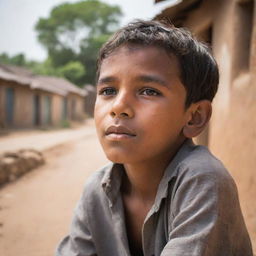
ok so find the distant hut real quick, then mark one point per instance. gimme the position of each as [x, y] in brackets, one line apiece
[89, 99]
[28, 100]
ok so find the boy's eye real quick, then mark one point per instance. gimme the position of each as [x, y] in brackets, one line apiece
[150, 92]
[107, 91]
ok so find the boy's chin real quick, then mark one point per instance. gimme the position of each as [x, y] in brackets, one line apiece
[116, 159]
[120, 158]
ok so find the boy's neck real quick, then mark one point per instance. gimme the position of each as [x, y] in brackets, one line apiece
[142, 179]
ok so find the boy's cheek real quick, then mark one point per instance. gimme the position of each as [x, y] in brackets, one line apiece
[100, 109]
[100, 115]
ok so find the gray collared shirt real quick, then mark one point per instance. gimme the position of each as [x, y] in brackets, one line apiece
[196, 212]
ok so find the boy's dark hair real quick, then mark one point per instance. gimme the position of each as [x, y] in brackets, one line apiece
[199, 70]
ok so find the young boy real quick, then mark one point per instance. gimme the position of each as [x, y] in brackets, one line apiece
[161, 195]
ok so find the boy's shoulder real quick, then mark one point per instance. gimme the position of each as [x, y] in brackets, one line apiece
[98, 177]
[97, 184]
[197, 163]
[198, 157]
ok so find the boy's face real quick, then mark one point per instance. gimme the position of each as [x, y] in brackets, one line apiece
[140, 107]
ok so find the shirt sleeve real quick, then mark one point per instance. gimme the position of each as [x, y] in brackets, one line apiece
[79, 242]
[206, 219]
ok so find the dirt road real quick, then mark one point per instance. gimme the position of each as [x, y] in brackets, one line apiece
[36, 210]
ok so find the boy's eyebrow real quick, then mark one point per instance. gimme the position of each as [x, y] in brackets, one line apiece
[152, 79]
[141, 78]
[106, 80]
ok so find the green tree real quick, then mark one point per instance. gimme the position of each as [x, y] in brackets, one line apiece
[73, 71]
[4, 58]
[74, 32]
[17, 60]
[44, 68]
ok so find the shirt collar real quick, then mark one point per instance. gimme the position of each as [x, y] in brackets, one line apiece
[172, 171]
[112, 179]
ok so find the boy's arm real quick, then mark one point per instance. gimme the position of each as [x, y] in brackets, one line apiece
[79, 241]
[206, 219]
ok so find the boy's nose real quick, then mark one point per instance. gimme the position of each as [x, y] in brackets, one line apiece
[122, 107]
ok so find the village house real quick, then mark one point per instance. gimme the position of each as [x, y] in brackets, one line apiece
[90, 99]
[28, 100]
[229, 26]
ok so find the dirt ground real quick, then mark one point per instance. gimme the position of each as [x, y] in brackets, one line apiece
[36, 210]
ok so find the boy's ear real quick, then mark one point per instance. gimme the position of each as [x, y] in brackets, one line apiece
[199, 116]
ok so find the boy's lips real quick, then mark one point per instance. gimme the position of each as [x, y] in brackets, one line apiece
[119, 132]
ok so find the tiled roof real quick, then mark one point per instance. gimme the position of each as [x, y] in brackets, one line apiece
[42, 84]
[61, 84]
[20, 71]
[89, 88]
[178, 10]
[24, 76]
[9, 76]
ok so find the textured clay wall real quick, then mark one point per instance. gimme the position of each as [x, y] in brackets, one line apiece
[233, 140]
[2, 102]
[80, 114]
[57, 109]
[75, 107]
[22, 116]
[232, 131]
[23, 107]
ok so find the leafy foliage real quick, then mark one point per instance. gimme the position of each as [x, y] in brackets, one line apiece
[17, 60]
[73, 70]
[73, 33]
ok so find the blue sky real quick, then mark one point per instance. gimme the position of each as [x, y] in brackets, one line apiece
[18, 18]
